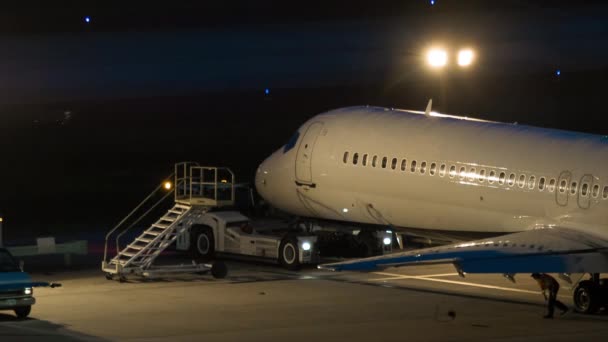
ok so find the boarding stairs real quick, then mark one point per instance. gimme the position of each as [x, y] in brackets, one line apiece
[196, 190]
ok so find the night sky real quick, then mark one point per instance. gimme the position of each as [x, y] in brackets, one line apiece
[94, 112]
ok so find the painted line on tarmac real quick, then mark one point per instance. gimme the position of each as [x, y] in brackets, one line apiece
[428, 278]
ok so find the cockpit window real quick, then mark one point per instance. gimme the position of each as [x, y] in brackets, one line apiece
[292, 142]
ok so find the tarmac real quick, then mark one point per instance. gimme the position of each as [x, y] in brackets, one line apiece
[259, 302]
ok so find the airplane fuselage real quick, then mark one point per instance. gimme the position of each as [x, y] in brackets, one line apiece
[406, 169]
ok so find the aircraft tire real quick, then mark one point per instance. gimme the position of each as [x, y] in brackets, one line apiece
[289, 253]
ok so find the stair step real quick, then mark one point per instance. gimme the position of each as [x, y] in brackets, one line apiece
[177, 212]
[161, 226]
[144, 240]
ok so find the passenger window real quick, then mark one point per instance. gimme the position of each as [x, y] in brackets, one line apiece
[605, 192]
[492, 177]
[522, 181]
[384, 160]
[532, 182]
[413, 166]
[562, 186]
[403, 164]
[595, 191]
[442, 170]
[482, 175]
[541, 183]
[584, 189]
[463, 172]
[472, 174]
[501, 180]
[573, 188]
[364, 161]
[433, 169]
[452, 171]
[394, 164]
[511, 180]
[345, 158]
[374, 161]
[355, 158]
[423, 167]
[552, 184]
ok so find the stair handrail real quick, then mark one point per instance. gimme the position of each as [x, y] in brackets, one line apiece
[105, 248]
[139, 219]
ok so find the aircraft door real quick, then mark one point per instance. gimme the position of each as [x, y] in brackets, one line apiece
[304, 155]
[562, 188]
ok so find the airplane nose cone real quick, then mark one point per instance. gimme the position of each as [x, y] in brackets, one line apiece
[261, 180]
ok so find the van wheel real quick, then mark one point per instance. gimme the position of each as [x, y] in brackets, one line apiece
[289, 253]
[23, 311]
[202, 243]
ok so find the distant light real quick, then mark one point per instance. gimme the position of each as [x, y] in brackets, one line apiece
[558, 72]
[306, 246]
[345, 210]
[266, 91]
[432, 2]
[224, 181]
[167, 185]
[1, 219]
[437, 58]
[87, 19]
[465, 57]
[387, 241]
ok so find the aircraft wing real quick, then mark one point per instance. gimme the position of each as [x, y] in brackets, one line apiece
[542, 249]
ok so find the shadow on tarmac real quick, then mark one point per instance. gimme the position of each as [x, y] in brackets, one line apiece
[32, 329]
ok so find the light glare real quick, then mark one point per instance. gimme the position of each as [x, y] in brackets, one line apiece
[437, 58]
[387, 241]
[465, 57]
[306, 246]
[167, 185]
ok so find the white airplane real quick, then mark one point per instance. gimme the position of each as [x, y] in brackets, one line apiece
[540, 195]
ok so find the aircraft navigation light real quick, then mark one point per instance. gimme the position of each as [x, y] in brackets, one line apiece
[387, 241]
[167, 185]
[87, 19]
[432, 2]
[465, 57]
[306, 246]
[437, 58]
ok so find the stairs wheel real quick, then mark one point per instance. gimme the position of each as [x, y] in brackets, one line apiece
[219, 270]
[109, 276]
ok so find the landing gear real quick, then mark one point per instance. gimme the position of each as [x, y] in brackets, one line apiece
[591, 295]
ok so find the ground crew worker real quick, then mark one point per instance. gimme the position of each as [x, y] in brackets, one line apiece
[549, 287]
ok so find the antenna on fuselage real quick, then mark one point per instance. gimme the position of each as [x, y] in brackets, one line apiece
[427, 111]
